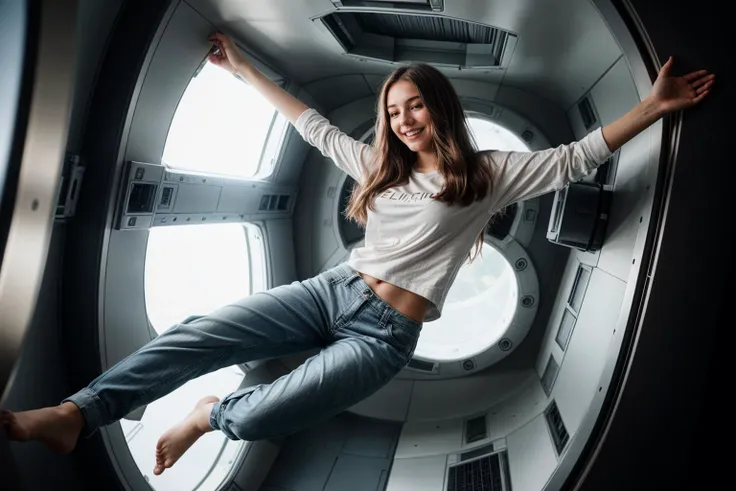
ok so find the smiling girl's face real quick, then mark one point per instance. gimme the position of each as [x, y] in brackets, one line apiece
[409, 117]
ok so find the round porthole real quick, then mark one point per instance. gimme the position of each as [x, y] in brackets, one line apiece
[484, 317]
[465, 329]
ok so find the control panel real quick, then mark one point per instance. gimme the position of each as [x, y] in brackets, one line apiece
[155, 195]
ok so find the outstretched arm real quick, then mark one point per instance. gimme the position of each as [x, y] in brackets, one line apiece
[349, 155]
[668, 94]
[230, 58]
[524, 175]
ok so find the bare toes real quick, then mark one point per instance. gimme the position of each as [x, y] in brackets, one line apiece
[160, 463]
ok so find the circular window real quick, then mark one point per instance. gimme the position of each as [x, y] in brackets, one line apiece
[478, 310]
[491, 136]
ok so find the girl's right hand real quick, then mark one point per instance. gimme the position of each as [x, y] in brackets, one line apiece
[229, 56]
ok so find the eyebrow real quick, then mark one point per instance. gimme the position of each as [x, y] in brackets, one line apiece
[408, 100]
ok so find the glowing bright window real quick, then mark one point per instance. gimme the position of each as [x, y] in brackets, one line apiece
[223, 126]
[490, 136]
[478, 310]
[209, 460]
[482, 301]
[193, 270]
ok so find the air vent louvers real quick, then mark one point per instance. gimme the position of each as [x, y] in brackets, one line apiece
[429, 28]
[419, 5]
[274, 202]
[556, 427]
[483, 474]
[420, 38]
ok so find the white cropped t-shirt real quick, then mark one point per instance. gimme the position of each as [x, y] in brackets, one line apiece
[419, 244]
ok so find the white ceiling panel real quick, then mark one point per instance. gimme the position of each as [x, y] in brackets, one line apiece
[375, 82]
[338, 90]
[563, 47]
[475, 88]
[562, 50]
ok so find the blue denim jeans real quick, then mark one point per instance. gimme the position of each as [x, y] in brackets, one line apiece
[365, 344]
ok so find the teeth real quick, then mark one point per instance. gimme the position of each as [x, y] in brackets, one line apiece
[412, 133]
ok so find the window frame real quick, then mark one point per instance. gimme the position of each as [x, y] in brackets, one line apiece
[255, 240]
[276, 136]
[488, 118]
[494, 246]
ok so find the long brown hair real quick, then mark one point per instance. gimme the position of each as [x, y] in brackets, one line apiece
[466, 178]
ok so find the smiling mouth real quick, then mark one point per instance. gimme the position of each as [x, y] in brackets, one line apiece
[410, 135]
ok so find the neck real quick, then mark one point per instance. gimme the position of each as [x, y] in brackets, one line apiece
[426, 161]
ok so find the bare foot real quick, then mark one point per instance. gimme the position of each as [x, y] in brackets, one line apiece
[58, 427]
[178, 439]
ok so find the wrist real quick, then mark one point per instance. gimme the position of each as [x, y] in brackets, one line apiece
[652, 109]
[242, 68]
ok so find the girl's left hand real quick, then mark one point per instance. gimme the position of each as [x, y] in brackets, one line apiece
[675, 93]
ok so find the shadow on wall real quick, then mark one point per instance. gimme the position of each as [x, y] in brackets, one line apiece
[40, 381]
[8, 469]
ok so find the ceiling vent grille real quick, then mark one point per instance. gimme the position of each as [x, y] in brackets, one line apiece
[483, 474]
[418, 5]
[429, 28]
[400, 38]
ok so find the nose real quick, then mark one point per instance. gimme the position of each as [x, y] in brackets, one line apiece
[406, 119]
